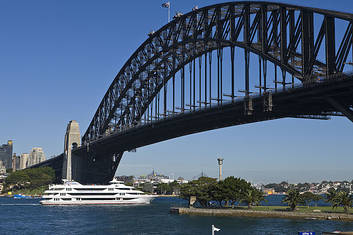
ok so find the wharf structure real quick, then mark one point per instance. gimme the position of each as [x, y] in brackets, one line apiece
[262, 214]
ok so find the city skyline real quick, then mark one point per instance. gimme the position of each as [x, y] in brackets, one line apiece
[71, 53]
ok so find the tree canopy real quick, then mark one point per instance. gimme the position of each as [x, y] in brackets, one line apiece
[293, 198]
[29, 179]
[230, 189]
[339, 198]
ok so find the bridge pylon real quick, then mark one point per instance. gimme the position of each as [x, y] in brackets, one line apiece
[72, 141]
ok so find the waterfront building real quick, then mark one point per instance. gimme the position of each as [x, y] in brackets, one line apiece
[166, 181]
[2, 168]
[36, 156]
[154, 177]
[24, 161]
[16, 162]
[6, 154]
[2, 179]
[269, 191]
[181, 180]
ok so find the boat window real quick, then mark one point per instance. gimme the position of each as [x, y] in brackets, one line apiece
[110, 189]
[97, 199]
[68, 189]
[87, 189]
[124, 188]
[62, 194]
[87, 194]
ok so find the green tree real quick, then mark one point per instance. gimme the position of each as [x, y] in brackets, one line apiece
[174, 187]
[29, 179]
[233, 188]
[163, 188]
[343, 199]
[331, 197]
[198, 188]
[207, 189]
[293, 198]
[316, 198]
[216, 193]
[252, 196]
[309, 197]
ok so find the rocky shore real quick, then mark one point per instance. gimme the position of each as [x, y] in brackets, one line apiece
[263, 214]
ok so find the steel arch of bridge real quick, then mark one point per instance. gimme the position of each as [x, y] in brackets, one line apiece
[282, 34]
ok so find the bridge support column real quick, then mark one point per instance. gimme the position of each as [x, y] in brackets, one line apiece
[248, 106]
[268, 102]
[72, 141]
[341, 108]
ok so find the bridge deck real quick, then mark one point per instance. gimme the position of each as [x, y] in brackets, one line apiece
[306, 101]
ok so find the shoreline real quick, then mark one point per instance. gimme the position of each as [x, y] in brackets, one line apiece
[262, 214]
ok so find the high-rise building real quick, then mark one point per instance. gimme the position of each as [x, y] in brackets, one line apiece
[6, 154]
[36, 156]
[24, 161]
[15, 162]
[2, 168]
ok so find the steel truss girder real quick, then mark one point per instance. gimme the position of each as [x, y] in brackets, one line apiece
[341, 107]
[180, 41]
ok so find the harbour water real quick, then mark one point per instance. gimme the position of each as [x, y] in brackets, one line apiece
[27, 216]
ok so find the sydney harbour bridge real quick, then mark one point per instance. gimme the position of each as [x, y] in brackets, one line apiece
[218, 66]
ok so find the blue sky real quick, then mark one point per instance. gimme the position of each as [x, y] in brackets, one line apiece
[58, 58]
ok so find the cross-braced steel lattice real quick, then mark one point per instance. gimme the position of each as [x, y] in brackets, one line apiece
[180, 68]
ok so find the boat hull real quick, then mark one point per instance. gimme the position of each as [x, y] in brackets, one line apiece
[144, 201]
[139, 201]
[47, 203]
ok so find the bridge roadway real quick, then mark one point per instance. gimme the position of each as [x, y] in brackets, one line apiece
[318, 100]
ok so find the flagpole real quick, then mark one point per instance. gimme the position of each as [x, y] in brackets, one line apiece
[169, 13]
[167, 5]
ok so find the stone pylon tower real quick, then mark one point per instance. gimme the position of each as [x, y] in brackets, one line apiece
[72, 140]
[220, 164]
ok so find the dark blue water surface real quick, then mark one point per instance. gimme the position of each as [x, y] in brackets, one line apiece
[276, 200]
[27, 216]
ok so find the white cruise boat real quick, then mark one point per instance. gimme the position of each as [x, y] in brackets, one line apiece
[74, 193]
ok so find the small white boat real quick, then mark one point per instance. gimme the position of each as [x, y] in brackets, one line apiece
[74, 193]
